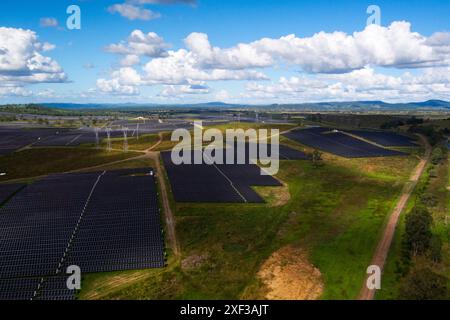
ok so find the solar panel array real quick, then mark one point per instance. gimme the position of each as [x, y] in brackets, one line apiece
[283, 153]
[339, 143]
[100, 222]
[13, 139]
[217, 183]
[7, 190]
[386, 139]
[287, 153]
[76, 138]
[120, 229]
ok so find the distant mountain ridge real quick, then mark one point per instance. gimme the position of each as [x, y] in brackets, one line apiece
[320, 106]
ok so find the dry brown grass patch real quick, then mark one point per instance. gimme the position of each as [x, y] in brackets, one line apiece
[288, 275]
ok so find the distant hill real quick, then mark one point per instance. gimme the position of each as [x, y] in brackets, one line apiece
[94, 105]
[433, 103]
[429, 105]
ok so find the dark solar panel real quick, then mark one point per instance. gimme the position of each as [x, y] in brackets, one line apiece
[7, 190]
[386, 139]
[14, 139]
[219, 183]
[19, 289]
[339, 144]
[55, 288]
[121, 227]
[101, 222]
[36, 225]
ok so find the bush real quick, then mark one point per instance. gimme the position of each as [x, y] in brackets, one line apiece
[433, 173]
[436, 249]
[428, 199]
[417, 237]
[437, 156]
[424, 284]
[316, 158]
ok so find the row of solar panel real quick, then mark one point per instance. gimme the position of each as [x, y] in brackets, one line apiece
[12, 139]
[385, 139]
[216, 183]
[132, 247]
[51, 288]
[339, 143]
[128, 237]
[42, 227]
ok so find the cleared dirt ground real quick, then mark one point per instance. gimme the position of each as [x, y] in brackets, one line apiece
[288, 275]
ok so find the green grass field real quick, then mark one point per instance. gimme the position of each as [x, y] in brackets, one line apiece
[42, 161]
[142, 143]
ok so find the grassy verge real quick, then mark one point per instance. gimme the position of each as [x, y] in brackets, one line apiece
[43, 161]
[438, 187]
[142, 143]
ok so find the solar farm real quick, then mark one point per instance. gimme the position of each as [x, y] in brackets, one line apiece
[100, 221]
[339, 143]
[192, 230]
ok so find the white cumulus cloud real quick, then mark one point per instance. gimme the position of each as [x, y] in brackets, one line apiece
[22, 60]
[140, 44]
[336, 65]
[133, 12]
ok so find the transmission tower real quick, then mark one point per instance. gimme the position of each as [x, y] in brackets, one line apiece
[108, 140]
[125, 139]
[97, 139]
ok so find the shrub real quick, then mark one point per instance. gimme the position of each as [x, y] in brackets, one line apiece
[423, 284]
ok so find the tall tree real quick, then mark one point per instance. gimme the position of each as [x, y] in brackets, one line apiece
[417, 237]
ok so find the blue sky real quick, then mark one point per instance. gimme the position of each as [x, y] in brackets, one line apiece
[82, 57]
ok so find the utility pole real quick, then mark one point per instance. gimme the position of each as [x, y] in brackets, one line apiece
[125, 139]
[97, 139]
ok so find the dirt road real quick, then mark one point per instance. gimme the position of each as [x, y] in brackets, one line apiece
[170, 218]
[382, 250]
